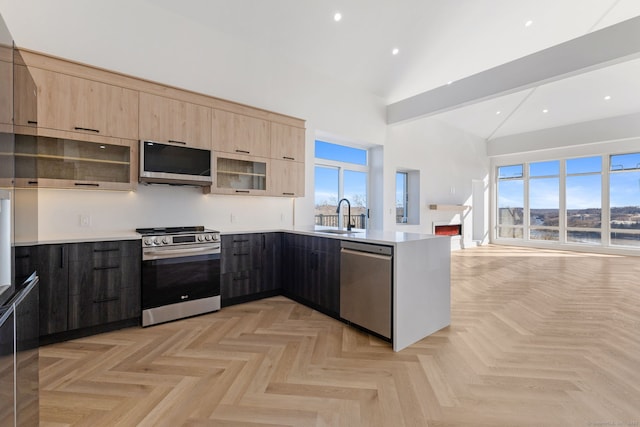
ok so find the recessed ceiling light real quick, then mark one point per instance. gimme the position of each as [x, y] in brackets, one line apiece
[337, 16]
[545, 111]
[103, 147]
[606, 98]
[449, 82]
[395, 51]
[528, 23]
[498, 113]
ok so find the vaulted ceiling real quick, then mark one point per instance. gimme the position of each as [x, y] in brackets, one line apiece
[437, 41]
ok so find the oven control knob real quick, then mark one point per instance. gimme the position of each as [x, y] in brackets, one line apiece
[165, 240]
[148, 241]
[200, 238]
[208, 237]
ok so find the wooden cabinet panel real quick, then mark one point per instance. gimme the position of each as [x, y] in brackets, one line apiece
[94, 293]
[104, 282]
[25, 101]
[87, 284]
[69, 103]
[287, 142]
[271, 262]
[286, 178]
[74, 104]
[311, 271]
[121, 112]
[25, 261]
[240, 252]
[236, 133]
[169, 120]
[6, 92]
[250, 266]
[53, 269]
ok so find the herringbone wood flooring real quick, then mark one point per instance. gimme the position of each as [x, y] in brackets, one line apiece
[538, 338]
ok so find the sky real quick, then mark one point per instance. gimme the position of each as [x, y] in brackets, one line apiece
[583, 183]
[326, 178]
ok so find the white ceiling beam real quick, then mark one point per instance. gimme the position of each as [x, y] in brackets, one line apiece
[610, 45]
[618, 128]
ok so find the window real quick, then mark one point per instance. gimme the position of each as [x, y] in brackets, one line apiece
[584, 200]
[544, 200]
[340, 172]
[624, 199]
[402, 197]
[408, 197]
[510, 201]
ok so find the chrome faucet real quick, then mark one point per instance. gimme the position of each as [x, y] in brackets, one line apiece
[348, 212]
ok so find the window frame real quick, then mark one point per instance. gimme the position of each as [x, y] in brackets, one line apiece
[342, 166]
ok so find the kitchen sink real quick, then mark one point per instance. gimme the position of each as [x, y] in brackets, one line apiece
[336, 231]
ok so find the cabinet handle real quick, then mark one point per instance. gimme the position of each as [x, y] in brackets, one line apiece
[111, 267]
[107, 250]
[264, 241]
[288, 194]
[32, 182]
[175, 141]
[62, 252]
[240, 253]
[242, 191]
[87, 129]
[32, 122]
[86, 184]
[243, 151]
[240, 240]
[237, 279]
[96, 301]
[288, 158]
[23, 256]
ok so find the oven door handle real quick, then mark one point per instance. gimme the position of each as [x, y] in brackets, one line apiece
[150, 255]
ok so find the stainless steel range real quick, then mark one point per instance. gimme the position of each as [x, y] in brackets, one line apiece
[180, 273]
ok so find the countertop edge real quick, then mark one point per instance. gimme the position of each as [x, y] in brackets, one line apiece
[368, 236]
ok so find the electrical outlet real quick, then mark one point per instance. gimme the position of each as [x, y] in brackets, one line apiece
[232, 218]
[281, 217]
[85, 220]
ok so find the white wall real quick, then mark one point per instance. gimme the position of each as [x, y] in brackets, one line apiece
[138, 39]
[449, 161]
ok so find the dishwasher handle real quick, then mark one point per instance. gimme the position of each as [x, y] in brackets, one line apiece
[367, 247]
[365, 254]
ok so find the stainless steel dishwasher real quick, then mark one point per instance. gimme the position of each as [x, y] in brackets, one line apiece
[366, 277]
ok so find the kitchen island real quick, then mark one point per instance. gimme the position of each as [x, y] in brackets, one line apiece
[421, 292]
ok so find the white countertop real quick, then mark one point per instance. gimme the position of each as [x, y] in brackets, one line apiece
[370, 236]
[84, 237]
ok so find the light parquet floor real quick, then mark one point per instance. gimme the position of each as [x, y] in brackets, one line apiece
[538, 338]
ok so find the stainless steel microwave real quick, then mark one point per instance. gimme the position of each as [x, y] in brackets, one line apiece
[174, 164]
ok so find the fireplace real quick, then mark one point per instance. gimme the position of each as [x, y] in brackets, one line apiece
[447, 229]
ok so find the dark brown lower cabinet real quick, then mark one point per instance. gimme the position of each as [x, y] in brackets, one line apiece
[311, 269]
[85, 285]
[53, 268]
[250, 267]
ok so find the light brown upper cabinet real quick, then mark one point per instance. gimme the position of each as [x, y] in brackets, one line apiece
[25, 101]
[170, 120]
[287, 142]
[240, 134]
[64, 163]
[6, 87]
[286, 178]
[75, 104]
